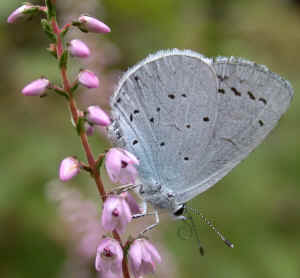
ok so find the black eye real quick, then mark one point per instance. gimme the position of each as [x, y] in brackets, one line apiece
[180, 211]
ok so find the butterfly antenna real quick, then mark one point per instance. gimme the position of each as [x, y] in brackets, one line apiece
[194, 229]
[210, 225]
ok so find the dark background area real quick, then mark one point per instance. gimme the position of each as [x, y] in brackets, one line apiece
[257, 205]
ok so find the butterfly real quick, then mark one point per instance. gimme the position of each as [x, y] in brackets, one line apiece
[190, 120]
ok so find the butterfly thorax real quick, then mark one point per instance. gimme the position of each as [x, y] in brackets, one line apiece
[160, 197]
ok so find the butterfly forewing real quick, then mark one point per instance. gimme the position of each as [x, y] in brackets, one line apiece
[165, 109]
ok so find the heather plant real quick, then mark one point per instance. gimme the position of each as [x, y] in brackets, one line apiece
[119, 207]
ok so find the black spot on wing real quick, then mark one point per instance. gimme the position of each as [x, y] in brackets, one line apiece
[236, 92]
[251, 95]
[263, 100]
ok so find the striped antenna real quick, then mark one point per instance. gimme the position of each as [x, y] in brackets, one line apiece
[207, 222]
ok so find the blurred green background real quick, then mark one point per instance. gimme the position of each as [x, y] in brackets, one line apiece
[257, 205]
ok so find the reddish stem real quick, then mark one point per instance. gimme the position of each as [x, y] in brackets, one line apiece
[89, 155]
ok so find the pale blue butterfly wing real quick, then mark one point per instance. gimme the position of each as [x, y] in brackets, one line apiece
[251, 100]
[190, 119]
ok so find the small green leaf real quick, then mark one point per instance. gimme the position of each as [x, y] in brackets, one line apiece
[51, 9]
[74, 88]
[100, 162]
[64, 59]
[80, 26]
[61, 93]
[48, 30]
[80, 125]
[65, 31]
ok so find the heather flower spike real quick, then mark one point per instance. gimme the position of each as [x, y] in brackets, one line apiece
[109, 258]
[142, 257]
[93, 25]
[21, 12]
[120, 166]
[88, 79]
[97, 116]
[36, 87]
[69, 168]
[116, 214]
[79, 49]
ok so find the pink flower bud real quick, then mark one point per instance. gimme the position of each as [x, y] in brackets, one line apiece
[116, 214]
[97, 116]
[36, 87]
[18, 13]
[93, 25]
[120, 166]
[88, 79]
[69, 168]
[79, 49]
[109, 258]
[142, 257]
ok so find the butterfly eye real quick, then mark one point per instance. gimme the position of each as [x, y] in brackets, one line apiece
[180, 211]
[142, 191]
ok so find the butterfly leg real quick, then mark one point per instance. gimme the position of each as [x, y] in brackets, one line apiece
[144, 211]
[124, 188]
[153, 225]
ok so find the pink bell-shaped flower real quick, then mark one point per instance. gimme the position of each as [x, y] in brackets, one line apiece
[142, 257]
[109, 258]
[79, 49]
[116, 214]
[97, 116]
[36, 87]
[88, 79]
[69, 168]
[93, 25]
[120, 166]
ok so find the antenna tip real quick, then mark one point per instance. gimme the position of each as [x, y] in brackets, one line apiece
[229, 244]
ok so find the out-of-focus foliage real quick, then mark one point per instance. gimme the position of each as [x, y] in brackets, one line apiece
[257, 206]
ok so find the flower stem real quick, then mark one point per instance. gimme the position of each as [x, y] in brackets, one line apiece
[74, 111]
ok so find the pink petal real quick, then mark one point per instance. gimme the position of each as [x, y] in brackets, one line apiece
[147, 267]
[152, 251]
[36, 87]
[93, 24]
[79, 49]
[128, 174]
[113, 164]
[97, 116]
[135, 257]
[18, 13]
[133, 205]
[108, 221]
[132, 157]
[88, 79]
[68, 169]
[125, 216]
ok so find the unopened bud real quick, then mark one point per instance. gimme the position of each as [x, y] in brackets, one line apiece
[36, 87]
